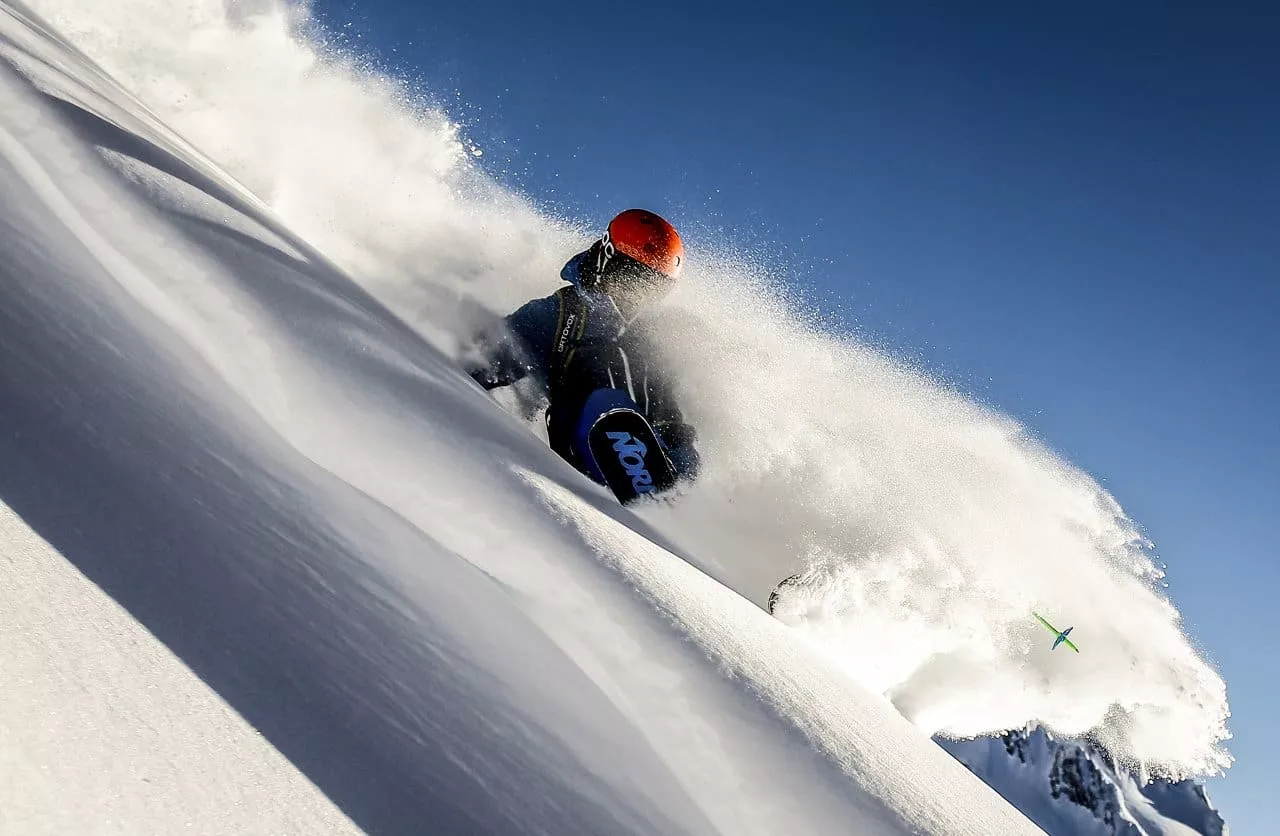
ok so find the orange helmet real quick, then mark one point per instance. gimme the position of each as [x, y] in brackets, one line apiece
[646, 238]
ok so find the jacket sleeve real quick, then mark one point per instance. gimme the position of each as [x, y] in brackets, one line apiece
[517, 346]
[679, 437]
[661, 408]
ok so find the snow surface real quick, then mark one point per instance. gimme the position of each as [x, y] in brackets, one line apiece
[932, 526]
[89, 746]
[341, 543]
[278, 472]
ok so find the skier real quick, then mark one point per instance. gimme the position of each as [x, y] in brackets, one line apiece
[591, 346]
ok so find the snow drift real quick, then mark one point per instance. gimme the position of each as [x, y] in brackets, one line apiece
[930, 526]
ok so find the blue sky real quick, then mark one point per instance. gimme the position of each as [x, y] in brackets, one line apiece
[1071, 212]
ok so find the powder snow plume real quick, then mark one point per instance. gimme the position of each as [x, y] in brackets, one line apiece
[928, 527]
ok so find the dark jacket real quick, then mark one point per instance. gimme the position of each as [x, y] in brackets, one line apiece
[574, 342]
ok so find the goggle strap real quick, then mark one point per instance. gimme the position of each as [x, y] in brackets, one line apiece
[606, 253]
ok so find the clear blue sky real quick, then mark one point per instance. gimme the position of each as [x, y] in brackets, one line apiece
[1071, 211]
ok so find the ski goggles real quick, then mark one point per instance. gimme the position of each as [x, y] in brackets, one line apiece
[621, 270]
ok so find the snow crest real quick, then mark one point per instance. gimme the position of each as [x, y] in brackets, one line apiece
[929, 527]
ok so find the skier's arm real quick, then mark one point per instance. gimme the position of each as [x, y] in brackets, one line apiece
[676, 434]
[499, 359]
[679, 439]
[660, 407]
[515, 347]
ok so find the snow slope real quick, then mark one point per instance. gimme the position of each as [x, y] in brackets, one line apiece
[251, 500]
[931, 527]
[88, 746]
